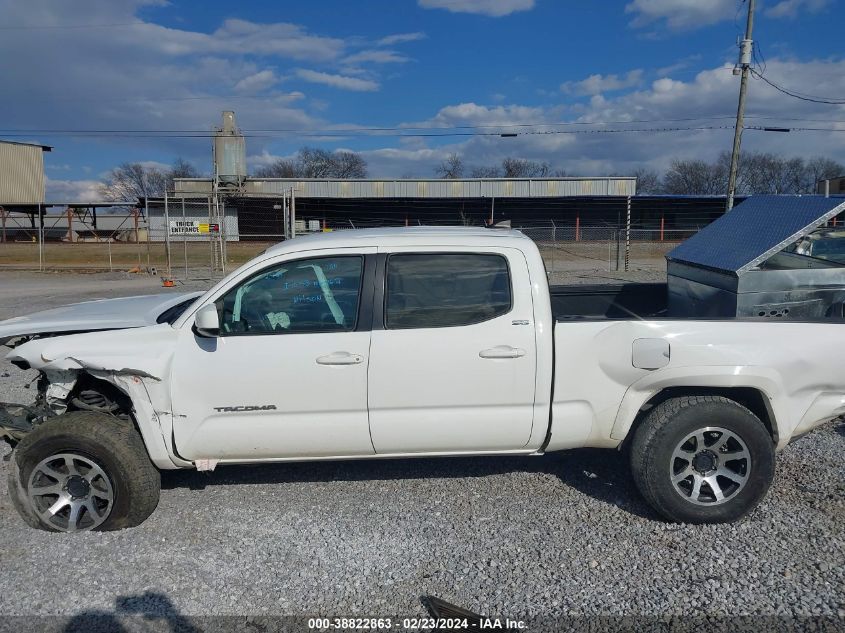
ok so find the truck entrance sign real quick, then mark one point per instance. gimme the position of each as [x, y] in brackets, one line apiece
[192, 227]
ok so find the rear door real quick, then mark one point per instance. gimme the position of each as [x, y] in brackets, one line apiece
[453, 354]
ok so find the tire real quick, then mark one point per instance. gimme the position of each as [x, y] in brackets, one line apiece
[690, 450]
[83, 471]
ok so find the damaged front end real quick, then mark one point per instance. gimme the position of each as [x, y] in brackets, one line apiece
[59, 389]
[29, 337]
[58, 392]
[104, 372]
[16, 420]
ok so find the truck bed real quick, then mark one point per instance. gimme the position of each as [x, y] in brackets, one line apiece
[609, 301]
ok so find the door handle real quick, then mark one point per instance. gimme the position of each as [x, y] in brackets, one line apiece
[502, 351]
[340, 358]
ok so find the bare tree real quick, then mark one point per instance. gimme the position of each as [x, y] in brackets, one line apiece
[181, 168]
[486, 172]
[696, 177]
[522, 168]
[793, 176]
[280, 168]
[648, 181]
[761, 173]
[349, 165]
[820, 168]
[757, 173]
[313, 162]
[451, 168]
[130, 181]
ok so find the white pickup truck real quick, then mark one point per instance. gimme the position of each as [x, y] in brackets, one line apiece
[398, 343]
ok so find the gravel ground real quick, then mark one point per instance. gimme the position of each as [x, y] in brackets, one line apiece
[559, 535]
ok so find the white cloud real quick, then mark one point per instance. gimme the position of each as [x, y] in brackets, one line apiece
[73, 190]
[681, 64]
[376, 57]
[681, 14]
[401, 38]
[264, 159]
[493, 8]
[154, 164]
[709, 99]
[474, 114]
[145, 76]
[597, 84]
[240, 37]
[150, 77]
[791, 8]
[337, 81]
[257, 82]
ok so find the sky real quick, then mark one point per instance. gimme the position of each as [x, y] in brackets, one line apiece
[110, 81]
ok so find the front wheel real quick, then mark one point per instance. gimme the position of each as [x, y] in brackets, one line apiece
[702, 459]
[83, 471]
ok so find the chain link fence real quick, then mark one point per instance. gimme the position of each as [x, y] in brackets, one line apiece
[73, 241]
[206, 237]
[604, 248]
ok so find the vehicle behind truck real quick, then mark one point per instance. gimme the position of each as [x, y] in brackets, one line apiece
[400, 343]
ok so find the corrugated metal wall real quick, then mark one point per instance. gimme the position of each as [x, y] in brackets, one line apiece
[432, 188]
[21, 174]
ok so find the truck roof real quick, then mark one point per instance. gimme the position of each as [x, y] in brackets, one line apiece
[421, 235]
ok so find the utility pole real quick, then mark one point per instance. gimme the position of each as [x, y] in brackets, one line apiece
[744, 67]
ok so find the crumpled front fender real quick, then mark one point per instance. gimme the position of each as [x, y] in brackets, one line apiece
[142, 352]
[124, 358]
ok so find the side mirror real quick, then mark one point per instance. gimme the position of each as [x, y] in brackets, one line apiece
[206, 322]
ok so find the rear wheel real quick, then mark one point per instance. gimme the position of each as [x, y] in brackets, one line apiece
[702, 459]
[83, 471]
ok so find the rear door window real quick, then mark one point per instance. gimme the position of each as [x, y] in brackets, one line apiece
[426, 290]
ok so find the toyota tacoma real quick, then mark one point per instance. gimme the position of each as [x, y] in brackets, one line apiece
[399, 343]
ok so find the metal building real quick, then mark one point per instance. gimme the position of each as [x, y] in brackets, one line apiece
[831, 186]
[421, 188]
[22, 173]
[254, 211]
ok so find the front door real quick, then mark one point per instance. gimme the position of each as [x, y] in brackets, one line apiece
[287, 376]
[453, 363]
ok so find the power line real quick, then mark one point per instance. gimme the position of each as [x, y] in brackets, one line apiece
[333, 134]
[797, 95]
[364, 129]
[409, 130]
[158, 134]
